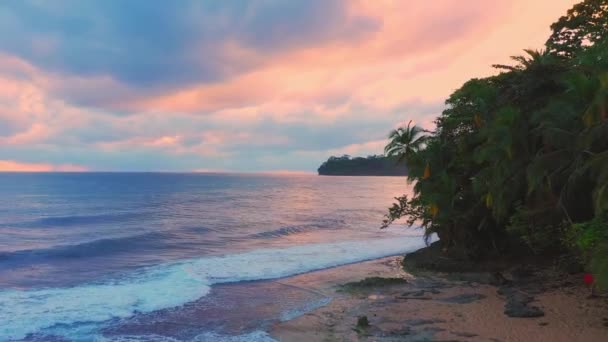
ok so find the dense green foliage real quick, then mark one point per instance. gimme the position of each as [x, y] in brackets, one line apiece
[521, 158]
[370, 166]
[584, 25]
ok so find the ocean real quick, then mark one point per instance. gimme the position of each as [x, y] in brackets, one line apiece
[178, 257]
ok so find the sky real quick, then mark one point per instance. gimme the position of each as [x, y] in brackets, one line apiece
[240, 85]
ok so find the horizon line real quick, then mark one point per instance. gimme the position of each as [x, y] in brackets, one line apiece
[277, 172]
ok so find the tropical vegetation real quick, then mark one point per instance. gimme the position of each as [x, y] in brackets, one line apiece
[376, 165]
[519, 161]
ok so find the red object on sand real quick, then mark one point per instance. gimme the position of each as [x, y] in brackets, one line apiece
[588, 278]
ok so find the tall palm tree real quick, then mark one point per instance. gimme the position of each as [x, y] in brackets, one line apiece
[534, 59]
[405, 142]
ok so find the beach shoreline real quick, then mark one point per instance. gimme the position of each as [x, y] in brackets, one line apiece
[433, 306]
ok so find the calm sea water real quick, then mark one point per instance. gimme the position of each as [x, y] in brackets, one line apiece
[111, 256]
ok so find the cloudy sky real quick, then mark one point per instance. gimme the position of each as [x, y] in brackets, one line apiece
[240, 85]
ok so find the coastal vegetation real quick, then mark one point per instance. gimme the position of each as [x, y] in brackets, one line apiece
[376, 165]
[518, 162]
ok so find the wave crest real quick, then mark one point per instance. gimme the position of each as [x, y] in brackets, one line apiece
[174, 284]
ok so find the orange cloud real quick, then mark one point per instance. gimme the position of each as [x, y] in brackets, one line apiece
[15, 166]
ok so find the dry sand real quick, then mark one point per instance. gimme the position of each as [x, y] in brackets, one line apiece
[432, 308]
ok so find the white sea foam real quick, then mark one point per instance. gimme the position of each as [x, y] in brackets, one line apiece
[171, 285]
[256, 336]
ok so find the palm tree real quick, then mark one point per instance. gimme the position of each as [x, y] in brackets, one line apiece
[405, 142]
[533, 59]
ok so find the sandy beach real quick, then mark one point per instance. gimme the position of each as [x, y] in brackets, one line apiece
[439, 307]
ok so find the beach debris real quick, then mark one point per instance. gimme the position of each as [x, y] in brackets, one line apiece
[362, 325]
[364, 328]
[590, 282]
[362, 322]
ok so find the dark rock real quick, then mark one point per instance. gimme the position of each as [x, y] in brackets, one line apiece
[434, 258]
[371, 283]
[474, 277]
[398, 332]
[523, 311]
[512, 293]
[520, 298]
[419, 293]
[515, 309]
[414, 298]
[517, 303]
[536, 290]
[464, 298]
[503, 291]
[498, 279]
[522, 272]
[422, 321]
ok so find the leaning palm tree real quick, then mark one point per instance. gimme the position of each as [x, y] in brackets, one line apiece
[532, 60]
[405, 142]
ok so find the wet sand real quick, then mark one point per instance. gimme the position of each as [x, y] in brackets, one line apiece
[437, 307]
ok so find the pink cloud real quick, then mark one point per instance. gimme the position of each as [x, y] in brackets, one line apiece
[165, 141]
[419, 54]
[210, 143]
[360, 149]
[36, 133]
[422, 51]
[16, 166]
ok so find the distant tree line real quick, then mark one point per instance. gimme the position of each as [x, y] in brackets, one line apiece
[519, 161]
[376, 165]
